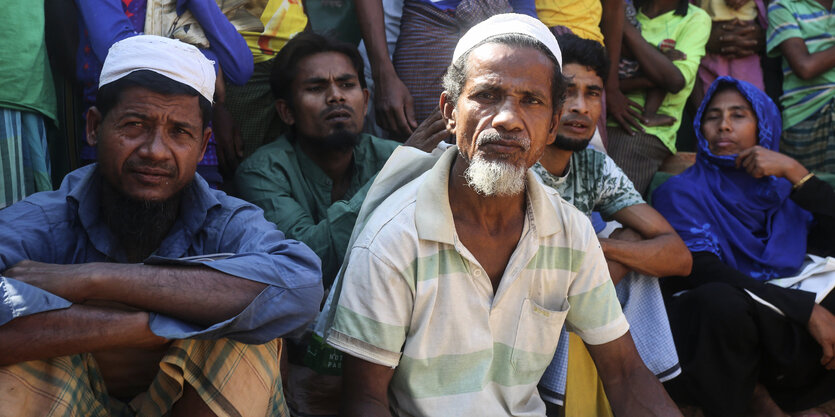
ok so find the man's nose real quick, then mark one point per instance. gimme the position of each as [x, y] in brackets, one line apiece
[154, 146]
[335, 94]
[577, 104]
[508, 116]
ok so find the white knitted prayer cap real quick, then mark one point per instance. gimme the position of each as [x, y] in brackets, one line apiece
[508, 23]
[168, 57]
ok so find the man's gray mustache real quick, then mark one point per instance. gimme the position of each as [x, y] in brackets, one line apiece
[493, 137]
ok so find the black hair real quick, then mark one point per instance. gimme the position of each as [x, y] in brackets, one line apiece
[302, 46]
[585, 52]
[456, 74]
[680, 10]
[108, 95]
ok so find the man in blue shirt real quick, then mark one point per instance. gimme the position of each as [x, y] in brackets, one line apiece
[108, 283]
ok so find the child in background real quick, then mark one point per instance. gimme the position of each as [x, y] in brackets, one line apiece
[746, 68]
[799, 30]
[629, 68]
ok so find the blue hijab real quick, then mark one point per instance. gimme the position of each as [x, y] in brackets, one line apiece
[750, 223]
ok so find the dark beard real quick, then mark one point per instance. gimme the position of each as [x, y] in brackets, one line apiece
[140, 226]
[568, 144]
[340, 140]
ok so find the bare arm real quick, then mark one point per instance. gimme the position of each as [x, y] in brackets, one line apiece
[196, 294]
[624, 111]
[657, 67]
[804, 64]
[364, 388]
[631, 388]
[392, 101]
[74, 330]
[636, 83]
[661, 252]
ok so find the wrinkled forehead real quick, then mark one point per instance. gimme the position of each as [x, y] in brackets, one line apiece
[499, 64]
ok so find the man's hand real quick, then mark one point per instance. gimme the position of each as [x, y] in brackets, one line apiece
[430, 133]
[675, 55]
[618, 270]
[626, 112]
[65, 281]
[230, 147]
[735, 4]
[393, 105]
[822, 327]
[761, 162]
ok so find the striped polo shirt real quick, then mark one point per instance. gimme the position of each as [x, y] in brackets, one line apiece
[415, 299]
[808, 20]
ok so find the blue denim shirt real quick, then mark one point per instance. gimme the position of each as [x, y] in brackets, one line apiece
[64, 227]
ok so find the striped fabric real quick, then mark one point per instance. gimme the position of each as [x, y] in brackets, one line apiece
[232, 378]
[639, 156]
[415, 298]
[807, 20]
[812, 141]
[428, 36]
[252, 105]
[24, 156]
[424, 51]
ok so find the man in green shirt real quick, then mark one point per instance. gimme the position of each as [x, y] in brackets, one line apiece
[311, 182]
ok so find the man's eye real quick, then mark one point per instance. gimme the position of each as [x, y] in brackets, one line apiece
[485, 95]
[532, 100]
[349, 85]
[314, 88]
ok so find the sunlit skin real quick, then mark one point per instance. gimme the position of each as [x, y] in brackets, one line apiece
[580, 112]
[326, 97]
[502, 94]
[583, 102]
[149, 144]
[729, 123]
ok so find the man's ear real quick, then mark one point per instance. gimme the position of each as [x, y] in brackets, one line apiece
[448, 112]
[94, 119]
[207, 134]
[555, 126]
[285, 112]
[365, 102]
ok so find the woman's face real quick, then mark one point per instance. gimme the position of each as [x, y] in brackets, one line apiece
[729, 123]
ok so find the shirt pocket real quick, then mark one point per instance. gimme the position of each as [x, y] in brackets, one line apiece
[537, 334]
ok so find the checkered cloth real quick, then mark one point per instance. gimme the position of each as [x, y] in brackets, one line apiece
[232, 378]
[812, 141]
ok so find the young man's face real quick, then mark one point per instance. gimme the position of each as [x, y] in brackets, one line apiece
[149, 144]
[581, 109]
[327, 98]
[505, 111]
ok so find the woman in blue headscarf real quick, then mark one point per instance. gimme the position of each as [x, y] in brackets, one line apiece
[748, 214]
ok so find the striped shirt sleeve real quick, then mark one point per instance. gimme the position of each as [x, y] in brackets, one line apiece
[374, 310]
[781, 26]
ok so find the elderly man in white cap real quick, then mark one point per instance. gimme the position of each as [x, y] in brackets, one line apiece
[455, 290]
[134, 289]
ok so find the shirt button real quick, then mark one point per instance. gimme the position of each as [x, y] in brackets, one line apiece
[477, 272]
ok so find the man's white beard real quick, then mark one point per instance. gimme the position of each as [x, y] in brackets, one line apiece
[495, 177]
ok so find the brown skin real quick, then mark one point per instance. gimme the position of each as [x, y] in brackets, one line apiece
[649, 244]
[327, 97]
[507, 91]
[393, 103]
[149, 145]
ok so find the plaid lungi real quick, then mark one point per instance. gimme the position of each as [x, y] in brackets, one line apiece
[24, 156]
[812, 141]
[232, 378]
[639, 156]
[252, 105]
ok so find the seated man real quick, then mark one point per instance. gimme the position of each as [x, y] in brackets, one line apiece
[456, 288]
[311, 182]
[591, 181]
[134, 282]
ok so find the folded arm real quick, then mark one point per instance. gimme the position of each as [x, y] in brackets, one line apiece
[74, 330]
[659, 253]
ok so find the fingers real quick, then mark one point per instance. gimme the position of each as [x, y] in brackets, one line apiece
[828, 358]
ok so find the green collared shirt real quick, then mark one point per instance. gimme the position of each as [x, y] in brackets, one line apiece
[295, 194]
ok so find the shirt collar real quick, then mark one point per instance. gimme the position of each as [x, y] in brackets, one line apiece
[433, 215]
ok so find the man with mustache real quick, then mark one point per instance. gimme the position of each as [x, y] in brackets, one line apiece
[311, 181]
[645, 247]
[135, 289]
[456, 288]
